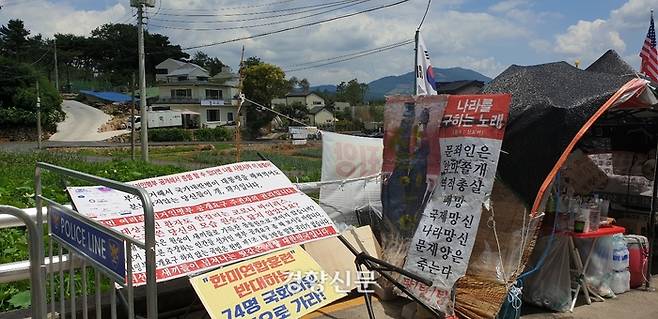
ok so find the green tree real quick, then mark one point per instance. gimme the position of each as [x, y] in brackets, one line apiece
[262, 82]
[352, 92]
[297, 110]
[213, 65]
[14, 39]
[18, 97]
[113, 48]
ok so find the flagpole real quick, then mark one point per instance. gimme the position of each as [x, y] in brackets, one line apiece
[416, 62]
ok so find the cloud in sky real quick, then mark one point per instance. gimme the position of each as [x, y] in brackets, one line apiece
[463, 33]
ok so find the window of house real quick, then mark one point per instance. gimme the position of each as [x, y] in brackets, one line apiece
[229, 116]
[161, 71]
[181, 93]
[317, 103]
[202, 78]
[213, 94]
[212, 115]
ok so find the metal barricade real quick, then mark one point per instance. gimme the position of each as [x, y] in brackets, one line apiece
[38, 296]
[57, 246]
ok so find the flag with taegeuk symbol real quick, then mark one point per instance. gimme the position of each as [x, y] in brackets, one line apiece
[425, 79]
[649, 55]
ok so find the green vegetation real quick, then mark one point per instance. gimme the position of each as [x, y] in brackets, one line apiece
[170, 135]
[17, 189]
[218, 134]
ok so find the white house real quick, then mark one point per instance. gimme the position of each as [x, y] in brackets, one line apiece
[320, 116]
[188, 87]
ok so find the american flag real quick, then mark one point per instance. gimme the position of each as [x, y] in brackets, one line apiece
[649, 55]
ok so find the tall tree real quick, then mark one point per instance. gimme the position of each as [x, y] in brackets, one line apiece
[14, 39]
[18, 97]
[262, 82]
[213, 65]
[352, 92]
[113, 49]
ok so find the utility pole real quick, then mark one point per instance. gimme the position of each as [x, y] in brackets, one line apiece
[132, 119]
[56, 67]
[142, 82]
[240, 102]
[38, 117]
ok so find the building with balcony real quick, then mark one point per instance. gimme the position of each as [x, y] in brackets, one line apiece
[184, 86]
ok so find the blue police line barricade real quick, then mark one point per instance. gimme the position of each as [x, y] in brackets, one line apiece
[101, 247]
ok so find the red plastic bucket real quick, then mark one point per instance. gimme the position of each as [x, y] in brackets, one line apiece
[638, 256]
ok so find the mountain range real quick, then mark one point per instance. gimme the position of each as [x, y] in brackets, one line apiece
[403, 84]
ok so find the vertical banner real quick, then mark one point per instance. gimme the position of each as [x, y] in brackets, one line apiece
[411, 157]
[471, 135]
[344, 157]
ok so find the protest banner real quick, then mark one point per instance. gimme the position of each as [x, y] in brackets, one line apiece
[471, 136]
[345, 157]
[283, 284]
[210, 217]
[411, 162]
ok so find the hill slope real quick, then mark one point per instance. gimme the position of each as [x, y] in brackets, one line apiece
[403, 84]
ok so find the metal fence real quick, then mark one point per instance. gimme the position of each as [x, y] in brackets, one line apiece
[63, 291]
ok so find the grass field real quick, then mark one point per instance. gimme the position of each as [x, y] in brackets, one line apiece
[299, 163]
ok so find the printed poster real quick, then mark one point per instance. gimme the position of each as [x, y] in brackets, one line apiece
[210, 217]
[283, 284]
[471, 135]
[345, 157]
[411, 158]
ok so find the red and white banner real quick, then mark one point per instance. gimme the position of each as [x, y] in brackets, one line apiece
[210, 217]
[471, 135]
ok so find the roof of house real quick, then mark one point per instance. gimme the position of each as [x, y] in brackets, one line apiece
[316, 109]
[299, 94]
[108, 96]
[456, 86]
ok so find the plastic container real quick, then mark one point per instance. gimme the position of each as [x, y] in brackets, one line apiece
[620, 282]
[638, 253]
[619, 253]
[594, 216]
[582, 221]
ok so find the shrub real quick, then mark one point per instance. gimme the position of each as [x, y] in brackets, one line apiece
[217, 134]
[170, 135]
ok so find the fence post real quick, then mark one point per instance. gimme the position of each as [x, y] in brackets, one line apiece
[37, 287]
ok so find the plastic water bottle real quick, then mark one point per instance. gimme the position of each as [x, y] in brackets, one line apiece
[619, 254]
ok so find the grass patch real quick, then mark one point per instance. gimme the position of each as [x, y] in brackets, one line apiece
[17, 189]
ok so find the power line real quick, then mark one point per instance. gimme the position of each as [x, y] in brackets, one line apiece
[262, 24]
[253, 13]
[353, 56]
[232, 8]
[296, 27]
[348, 55]
[429, 2]
[265, 17]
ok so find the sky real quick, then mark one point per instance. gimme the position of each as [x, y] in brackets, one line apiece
[483, 35]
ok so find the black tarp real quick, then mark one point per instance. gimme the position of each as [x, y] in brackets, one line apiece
[550, 104]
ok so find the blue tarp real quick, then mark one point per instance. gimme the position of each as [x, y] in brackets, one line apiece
[108, 96]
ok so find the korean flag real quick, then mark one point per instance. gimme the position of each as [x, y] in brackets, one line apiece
[425, 80]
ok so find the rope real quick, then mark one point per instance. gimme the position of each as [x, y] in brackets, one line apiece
[273, 111]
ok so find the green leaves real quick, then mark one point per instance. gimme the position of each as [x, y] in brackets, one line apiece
[21, 299]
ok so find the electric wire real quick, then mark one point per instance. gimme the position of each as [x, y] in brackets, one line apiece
[346, 55]
[262, 18]
[429, 2]
[379, 50]
[262, 24]
[231, 8]
[260, 35]
[253, 13]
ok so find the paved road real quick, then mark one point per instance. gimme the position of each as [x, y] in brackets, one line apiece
[82, 123]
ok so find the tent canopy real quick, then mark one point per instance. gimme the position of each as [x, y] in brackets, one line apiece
[550, 104]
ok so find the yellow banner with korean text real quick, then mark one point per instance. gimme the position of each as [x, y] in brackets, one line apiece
[284, 284]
